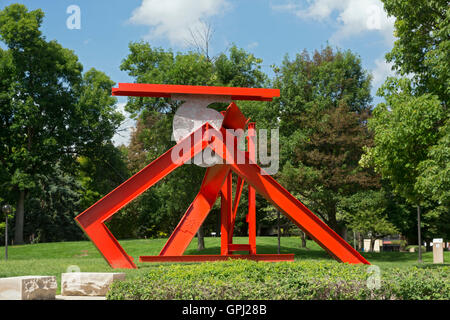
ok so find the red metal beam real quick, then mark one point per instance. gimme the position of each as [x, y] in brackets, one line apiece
[251, 216]
[92, 220]
[166, 90]
[204, 258]
[239, 247]
[197, 211]
[225, 215]
[237, 198]
[299, 214]
[209, 191]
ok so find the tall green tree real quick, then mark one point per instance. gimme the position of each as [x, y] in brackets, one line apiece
[50, 112]
[366, 212]
[323, 108]
[433, 183]
[416, 109]
[422, 45]
[406, 129]
[51, 205]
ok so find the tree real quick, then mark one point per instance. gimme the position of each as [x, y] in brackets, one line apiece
[50, 111]
[366, 212]
[326, 80]
[323, 107]
[51, 206]
[433, 182]
[99, 174]
[200, 38]
[416, 108]
[422, 46]
[405, 130]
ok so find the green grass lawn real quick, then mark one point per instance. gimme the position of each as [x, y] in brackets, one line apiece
[56, 258]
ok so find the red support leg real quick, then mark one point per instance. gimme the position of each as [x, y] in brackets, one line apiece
[251, 217]
[297, 212]
[197, 211]
[237, 198]
[225, 213]
[92, 220]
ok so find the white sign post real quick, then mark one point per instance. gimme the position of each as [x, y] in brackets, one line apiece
[438, 251]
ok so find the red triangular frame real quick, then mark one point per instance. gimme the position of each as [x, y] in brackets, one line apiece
[92, 221]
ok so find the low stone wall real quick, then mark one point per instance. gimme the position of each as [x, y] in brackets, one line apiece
[88, 283]
[28, 288]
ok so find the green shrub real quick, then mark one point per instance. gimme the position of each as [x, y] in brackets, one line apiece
[310, 280]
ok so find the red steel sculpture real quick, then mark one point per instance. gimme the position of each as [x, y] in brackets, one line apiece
[217, 181]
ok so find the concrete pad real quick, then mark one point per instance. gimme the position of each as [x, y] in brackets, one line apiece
[88, 283]
[60, 297]
[28, 288]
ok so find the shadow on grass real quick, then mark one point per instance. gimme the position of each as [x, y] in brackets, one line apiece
[433, 266]
[390, 256]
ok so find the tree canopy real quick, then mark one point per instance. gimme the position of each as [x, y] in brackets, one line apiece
[50, 111]
[422, 45]
[323, 108]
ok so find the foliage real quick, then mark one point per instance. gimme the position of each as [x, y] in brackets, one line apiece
[422, 45]
[50, 112]
[305, 280]
[330, 78]
[365, 212]
[409, 149]
[405, 129]
[433, 182]
[411, 128]
[101, 173]
[324, 106]
[52, 206]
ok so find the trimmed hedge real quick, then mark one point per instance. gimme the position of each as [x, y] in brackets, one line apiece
[304, 280]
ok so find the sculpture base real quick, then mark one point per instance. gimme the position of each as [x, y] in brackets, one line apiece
[209, 257]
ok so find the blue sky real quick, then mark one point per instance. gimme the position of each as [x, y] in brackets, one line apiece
[269, 29]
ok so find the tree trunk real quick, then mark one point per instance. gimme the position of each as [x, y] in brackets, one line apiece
[344, 233]
[201, 239]
[303, 236]
[278, 231]
[333, 223]
[20, 213]
[419, 234]
[360, 242]
[372, 244]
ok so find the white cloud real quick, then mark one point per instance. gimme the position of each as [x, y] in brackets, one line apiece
[123, 134]
[381, 71]
[253, 45]
[353, 16]
[173, 18]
